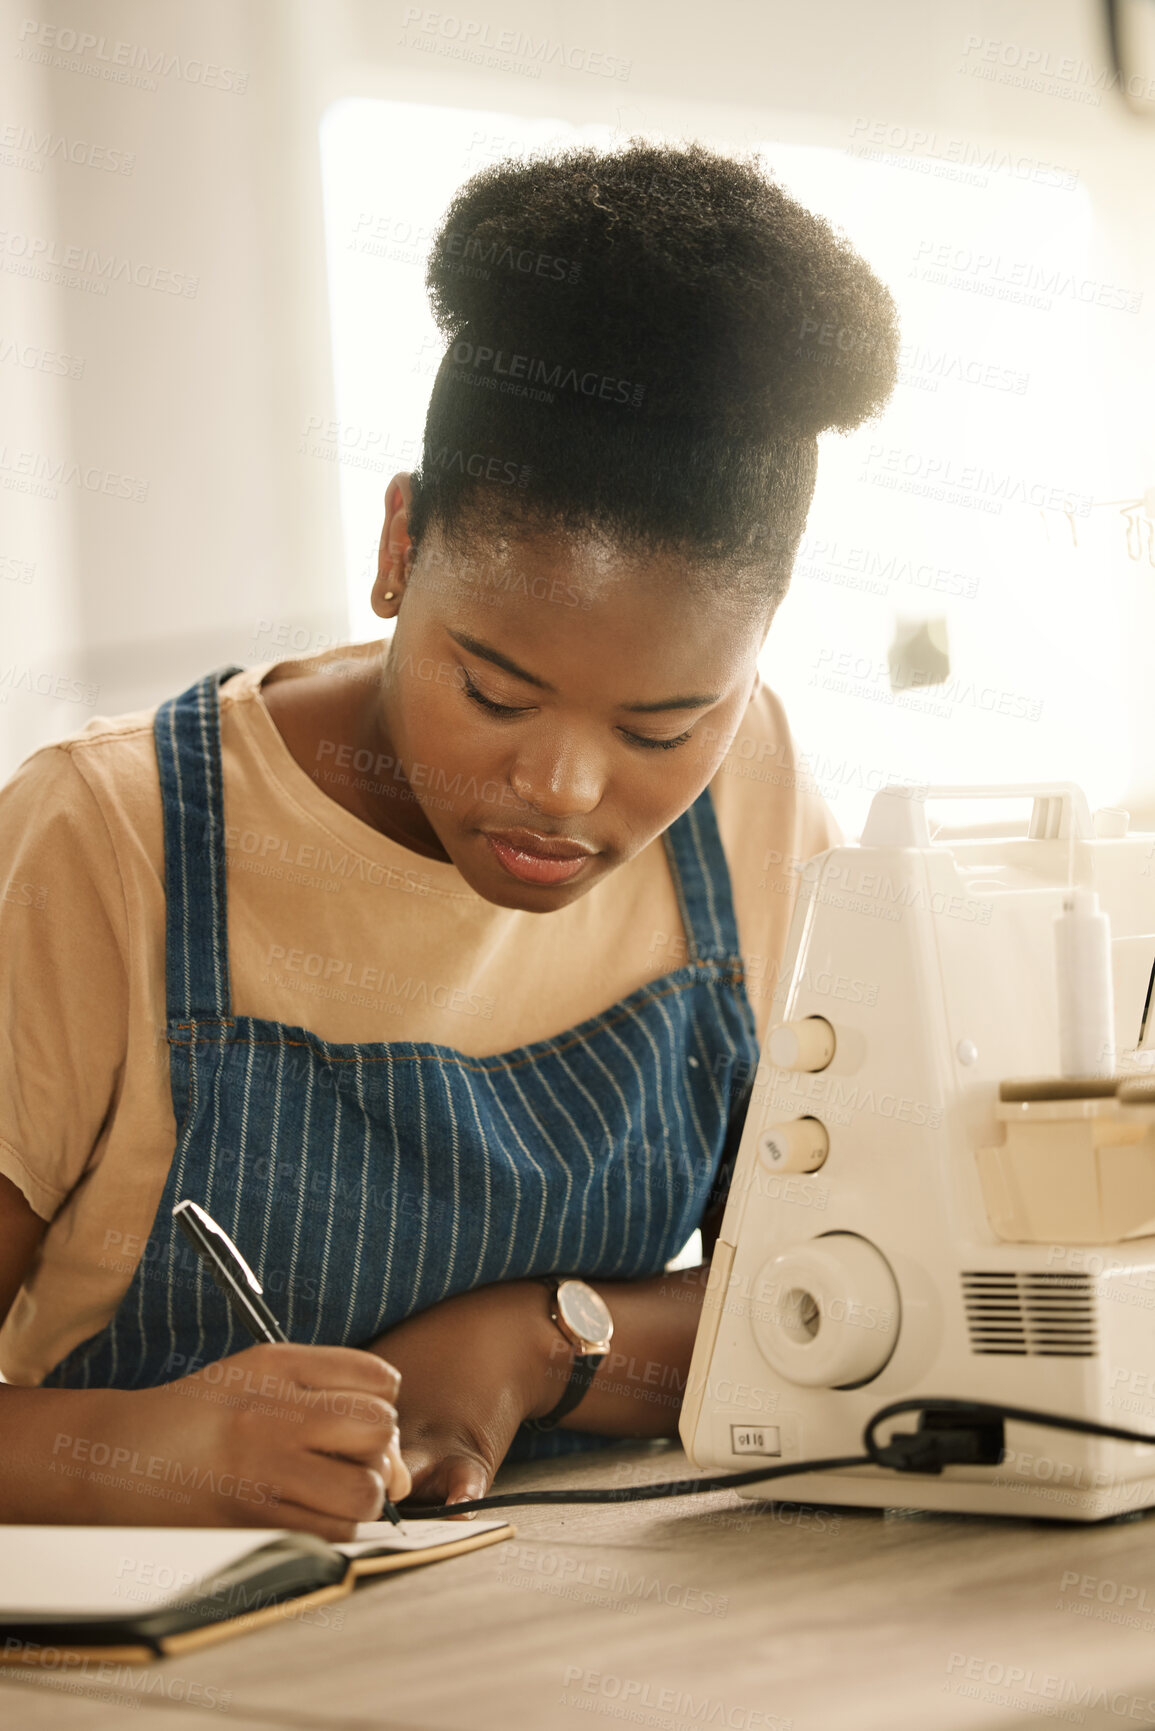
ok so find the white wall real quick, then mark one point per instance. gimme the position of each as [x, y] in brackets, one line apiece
[203, 400]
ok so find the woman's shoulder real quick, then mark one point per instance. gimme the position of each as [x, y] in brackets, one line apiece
[80, 820]
[108, 751]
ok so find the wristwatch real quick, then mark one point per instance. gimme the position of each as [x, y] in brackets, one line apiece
[583, 1317]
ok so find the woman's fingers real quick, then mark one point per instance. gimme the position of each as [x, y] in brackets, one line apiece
[358, 1425]
[400, 1483]
[438, 1477]
[334, 1367]
[299, 1519]
[337, 1489]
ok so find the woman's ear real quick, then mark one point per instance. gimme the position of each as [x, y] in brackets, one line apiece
[396, 550]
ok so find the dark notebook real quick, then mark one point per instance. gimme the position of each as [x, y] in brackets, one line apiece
[134, 1593]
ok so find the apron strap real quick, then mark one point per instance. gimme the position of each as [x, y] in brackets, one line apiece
[702, 882]
[187, 734]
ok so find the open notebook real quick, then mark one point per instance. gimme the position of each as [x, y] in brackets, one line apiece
[134, 1593]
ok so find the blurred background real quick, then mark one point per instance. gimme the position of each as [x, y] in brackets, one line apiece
[215, 347]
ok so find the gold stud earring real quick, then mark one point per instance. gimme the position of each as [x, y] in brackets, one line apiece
[389, 595]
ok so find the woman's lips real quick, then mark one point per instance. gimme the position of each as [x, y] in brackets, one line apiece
[530, 867]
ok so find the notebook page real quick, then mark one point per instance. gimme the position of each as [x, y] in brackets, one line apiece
[377, 1537]
[113, 1571]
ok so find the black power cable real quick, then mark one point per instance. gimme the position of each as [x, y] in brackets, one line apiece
[637, 1493]
[951, 1433]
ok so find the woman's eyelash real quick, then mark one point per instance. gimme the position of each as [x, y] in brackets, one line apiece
[658, 744]
[487, 703]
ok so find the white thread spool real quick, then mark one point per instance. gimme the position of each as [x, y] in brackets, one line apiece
[1086, 998]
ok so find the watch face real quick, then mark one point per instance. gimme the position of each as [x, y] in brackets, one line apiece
[583, 1311]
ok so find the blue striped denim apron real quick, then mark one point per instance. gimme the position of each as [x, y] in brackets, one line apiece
[364, 1182]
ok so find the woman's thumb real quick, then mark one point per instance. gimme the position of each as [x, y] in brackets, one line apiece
[465, 1480]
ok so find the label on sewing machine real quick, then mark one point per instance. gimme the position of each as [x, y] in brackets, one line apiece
[755, 1439]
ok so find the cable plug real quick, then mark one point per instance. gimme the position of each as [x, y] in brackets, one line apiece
[951, 1434]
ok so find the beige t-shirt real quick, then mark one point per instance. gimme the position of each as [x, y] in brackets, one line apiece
[332, 926]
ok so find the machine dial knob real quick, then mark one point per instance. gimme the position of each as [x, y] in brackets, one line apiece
[807, 1044]
[798, 1146]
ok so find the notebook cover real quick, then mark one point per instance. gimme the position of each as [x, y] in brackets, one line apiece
[272, 1577]
[306, 1572]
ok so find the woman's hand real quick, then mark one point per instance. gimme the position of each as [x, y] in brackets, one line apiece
[472, 1369]
[275, 1436]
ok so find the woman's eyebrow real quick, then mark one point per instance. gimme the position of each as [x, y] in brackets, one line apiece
[484, 652]
[706, 702]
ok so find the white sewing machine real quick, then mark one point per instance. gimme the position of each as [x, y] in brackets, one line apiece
[946, 1181]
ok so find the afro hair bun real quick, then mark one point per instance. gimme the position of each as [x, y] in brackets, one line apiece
[689, 272]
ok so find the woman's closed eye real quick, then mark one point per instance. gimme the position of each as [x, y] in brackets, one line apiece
[492, 707]
[487, 703]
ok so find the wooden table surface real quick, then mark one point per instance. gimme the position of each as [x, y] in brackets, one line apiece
[687, 1615]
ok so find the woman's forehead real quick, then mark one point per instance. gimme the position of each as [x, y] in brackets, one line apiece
[566, 618]
[599, 568]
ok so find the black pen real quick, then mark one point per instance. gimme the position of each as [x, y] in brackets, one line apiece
[238, 1283]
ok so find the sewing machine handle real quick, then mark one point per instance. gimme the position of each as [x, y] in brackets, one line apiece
[897, 815]
[1060, 806]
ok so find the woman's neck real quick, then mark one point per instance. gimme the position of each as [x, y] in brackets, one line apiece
[337, 715]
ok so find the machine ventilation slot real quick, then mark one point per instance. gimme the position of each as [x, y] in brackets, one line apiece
[1031, 1315]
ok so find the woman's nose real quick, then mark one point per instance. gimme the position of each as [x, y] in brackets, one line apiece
[560, 782]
